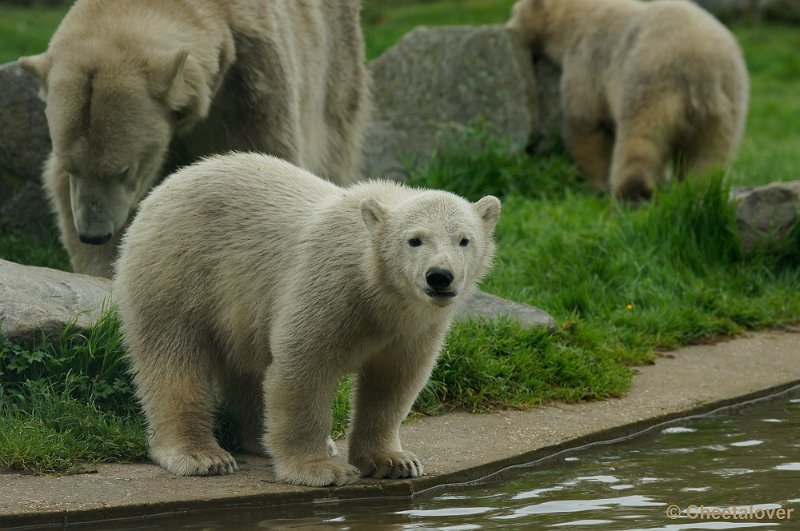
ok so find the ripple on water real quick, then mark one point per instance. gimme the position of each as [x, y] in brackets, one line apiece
[583, 522]
[695, 489]
[789, 466]
[751, 442]
[731, 472]
[678, 429]
[624, 486]
[447, 511]
[535, 493]
[577, 506]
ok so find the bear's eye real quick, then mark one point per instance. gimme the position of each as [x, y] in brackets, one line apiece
[415, 242]
[123, 174]
[464, 242]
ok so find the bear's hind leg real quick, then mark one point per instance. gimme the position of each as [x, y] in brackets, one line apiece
[639, 163]
[176, 392]
[590, 145]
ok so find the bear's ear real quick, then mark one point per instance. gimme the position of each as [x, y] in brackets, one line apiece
[170, 78]
[373, 213]
[166, 73]
[488, 209]
[38, 66]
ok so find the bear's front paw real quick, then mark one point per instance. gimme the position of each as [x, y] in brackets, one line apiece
[394, 465]
[315, 471]
[194, 461]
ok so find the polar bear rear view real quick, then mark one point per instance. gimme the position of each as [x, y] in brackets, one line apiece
[643, 85]
[274, 284]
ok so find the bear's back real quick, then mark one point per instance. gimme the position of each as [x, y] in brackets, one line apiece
[222, 221]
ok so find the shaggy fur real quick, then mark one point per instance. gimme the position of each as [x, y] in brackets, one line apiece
[644, 85]
[277, 277]
[136, 89]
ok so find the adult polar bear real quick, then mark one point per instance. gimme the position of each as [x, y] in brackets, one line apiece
[136, 89]
[281, 278]
[643, 84]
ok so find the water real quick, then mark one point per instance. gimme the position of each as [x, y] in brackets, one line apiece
[742, 467]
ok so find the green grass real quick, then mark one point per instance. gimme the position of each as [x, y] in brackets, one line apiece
[386, 21]
[771, 147]
[68, 401]
[621, 283]
[26, 31]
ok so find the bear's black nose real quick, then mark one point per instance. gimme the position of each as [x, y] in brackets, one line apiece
[438, 278]
[95, 240]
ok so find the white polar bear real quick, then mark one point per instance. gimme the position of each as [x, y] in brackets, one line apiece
[275, 284]
[645, 86]
[136, 89]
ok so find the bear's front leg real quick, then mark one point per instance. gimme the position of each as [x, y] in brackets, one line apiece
[298, 418]
[385, 391]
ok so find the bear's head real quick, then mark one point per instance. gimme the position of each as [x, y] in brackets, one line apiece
[112, 116]
[435, 245]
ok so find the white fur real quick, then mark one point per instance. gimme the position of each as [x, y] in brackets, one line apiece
[277, 277]
[644, 85]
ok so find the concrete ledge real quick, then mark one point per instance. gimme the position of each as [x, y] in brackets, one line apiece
[456, 447]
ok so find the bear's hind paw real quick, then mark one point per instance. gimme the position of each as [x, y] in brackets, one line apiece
[195, 461]
[315, 472]
[394, 465]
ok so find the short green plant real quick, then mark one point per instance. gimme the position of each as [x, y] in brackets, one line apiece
[88, 367]
[50, 430]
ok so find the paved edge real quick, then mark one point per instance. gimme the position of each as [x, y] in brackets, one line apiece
[690, 381]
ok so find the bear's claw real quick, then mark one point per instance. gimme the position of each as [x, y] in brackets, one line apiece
[316, 472]
[195, 461]
[394, 465]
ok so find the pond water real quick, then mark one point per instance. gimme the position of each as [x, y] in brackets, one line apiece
[733, 470]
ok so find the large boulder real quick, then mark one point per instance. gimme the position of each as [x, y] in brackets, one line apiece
[24, 145]
[38, 301]
[766, 214]
[437, 80]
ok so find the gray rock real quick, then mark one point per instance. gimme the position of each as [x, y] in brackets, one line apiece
[36, 301]
[438, 80]
[765, 214]
[490, 306]
[24, 145]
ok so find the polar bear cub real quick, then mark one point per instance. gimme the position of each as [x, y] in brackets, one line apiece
[644, 85]
[273, 285]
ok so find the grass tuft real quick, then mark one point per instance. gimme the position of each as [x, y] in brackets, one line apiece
[52, 431]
